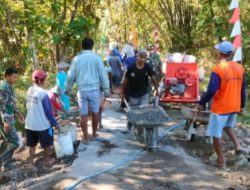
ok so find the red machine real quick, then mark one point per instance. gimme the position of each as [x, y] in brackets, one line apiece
[181, 83]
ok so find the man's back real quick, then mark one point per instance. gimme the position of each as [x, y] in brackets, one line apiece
[87, 70]
[228, 97]
[36, 119]
[115, 64]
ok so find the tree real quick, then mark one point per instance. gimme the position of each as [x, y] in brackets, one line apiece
[43, 32]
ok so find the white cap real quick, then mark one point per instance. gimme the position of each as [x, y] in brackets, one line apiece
[62, 65]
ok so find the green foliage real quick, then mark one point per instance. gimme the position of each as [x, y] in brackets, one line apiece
[41, 33]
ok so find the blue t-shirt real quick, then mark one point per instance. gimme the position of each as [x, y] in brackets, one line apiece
[115, 64]
[129, 61]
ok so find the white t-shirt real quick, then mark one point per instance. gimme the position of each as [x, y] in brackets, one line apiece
[36, 119]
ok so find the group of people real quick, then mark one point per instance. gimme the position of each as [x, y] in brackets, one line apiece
[120, 62]
[40, 118]
[87, 71]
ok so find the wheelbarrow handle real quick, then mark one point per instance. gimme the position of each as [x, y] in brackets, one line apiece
[127, 105]
[196, 115]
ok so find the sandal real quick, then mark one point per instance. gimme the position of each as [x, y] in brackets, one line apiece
[216, 164]
[239, 152]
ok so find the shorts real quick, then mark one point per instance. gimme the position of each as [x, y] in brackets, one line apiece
[89, 99]
[143, 100]
[218, 122]
[44, 137]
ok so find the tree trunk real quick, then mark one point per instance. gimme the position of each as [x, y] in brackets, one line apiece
[30, 37]
[67, 38]
[212, 15]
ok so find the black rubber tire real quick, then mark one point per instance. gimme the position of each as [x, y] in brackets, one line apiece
[192, 137]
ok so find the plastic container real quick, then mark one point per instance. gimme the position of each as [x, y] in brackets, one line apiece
[63, 145]
[71, 129]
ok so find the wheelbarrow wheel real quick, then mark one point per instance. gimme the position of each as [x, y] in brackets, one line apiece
[137, 133]
[187, 123]
[191, 131]
[149, 138]
[192, 137]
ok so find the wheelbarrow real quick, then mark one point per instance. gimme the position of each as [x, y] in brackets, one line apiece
[194, 119]
[145, 121]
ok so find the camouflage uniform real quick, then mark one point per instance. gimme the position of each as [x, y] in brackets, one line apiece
[155, 61]
[8, 110]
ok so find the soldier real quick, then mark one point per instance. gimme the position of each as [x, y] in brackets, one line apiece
[155, 60]
[8, 111]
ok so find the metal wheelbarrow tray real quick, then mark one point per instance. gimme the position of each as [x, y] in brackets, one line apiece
[189, 114]
[194, 118]
[145, 121]
[147, 116]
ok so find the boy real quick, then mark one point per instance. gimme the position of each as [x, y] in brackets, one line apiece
[39, 119]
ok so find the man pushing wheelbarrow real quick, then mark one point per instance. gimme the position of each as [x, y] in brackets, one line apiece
[135, 82]
[227, 88]
[140, 114]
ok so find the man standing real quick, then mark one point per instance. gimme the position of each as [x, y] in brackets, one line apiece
[39, 119]
[116, 66]
[88, 72]
[61, 79]
[155, 60]
[8, 112]
[227, 87]
[135, 82]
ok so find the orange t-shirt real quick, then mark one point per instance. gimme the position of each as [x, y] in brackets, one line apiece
[228, 97]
